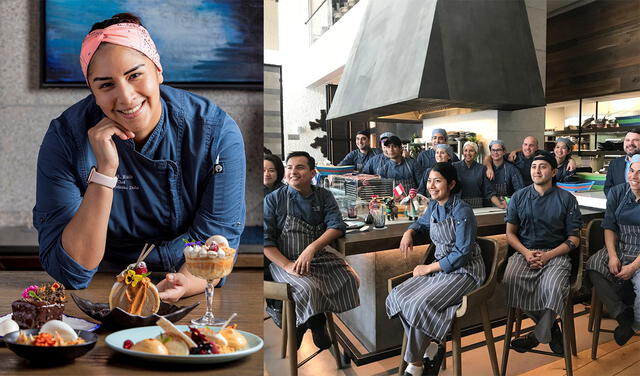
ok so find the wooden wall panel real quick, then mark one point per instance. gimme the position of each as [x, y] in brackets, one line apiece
[594, 50]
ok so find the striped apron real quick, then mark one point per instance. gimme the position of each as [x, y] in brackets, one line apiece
[537, 289]
[474, 202]
[628, 247]
[429, 302]
[331, 285]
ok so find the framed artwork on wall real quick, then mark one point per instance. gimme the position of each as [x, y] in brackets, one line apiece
[202, 43]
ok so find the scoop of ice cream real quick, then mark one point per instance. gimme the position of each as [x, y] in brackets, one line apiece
[8, 326]
[62, 328]
[152, 346]
[221, 240]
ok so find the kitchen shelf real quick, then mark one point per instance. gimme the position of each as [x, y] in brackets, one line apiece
[591, 153]
[617, 130]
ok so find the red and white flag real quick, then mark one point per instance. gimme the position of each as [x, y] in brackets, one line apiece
[398, 190]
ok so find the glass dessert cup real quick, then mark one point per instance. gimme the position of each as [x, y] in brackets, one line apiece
[210, 269]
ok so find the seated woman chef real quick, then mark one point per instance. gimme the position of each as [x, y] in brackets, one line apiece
[474, 185]
[614, 269]
[300, 221]
[133, 163]
[427, 302]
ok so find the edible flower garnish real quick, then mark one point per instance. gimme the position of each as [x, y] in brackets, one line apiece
[188, 243]
[132, 278]
[31, 292]
[55, 286]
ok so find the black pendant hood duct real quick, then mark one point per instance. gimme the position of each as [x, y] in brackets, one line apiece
[425, 55]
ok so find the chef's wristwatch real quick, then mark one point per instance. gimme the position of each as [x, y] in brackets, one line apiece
[98, 178]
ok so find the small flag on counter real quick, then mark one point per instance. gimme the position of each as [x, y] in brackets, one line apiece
[398, 190]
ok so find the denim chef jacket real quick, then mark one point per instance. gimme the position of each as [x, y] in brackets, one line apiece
[466, 227]
[544, 221]
[405, 170]
[507, 174]
[427, 159]
[473, 180]
[622, 208]
[562, 174]
[187, 181]
[373, 163]
[318, 208]
[357, 158]
[524, 165]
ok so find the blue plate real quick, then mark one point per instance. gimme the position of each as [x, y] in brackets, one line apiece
[116, 340]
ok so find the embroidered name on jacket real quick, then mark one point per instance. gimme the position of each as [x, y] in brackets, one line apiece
[125, 183]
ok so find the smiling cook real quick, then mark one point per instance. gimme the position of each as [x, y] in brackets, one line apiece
[135, 162]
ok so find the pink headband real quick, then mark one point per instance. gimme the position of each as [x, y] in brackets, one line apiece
[124, 34]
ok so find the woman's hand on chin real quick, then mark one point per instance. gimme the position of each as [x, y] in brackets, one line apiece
[103, 146]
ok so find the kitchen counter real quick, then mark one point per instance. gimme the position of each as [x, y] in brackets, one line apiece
[490, 222]
[592, 199]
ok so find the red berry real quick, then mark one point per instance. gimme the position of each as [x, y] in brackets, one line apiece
[127, 344]
[213, 247]
[140, 270]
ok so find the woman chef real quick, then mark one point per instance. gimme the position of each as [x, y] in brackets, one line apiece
[427, 302]
[133, 163]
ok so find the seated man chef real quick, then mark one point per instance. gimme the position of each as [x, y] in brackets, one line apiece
[543, 226]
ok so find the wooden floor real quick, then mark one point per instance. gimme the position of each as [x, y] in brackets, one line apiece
[612, 360]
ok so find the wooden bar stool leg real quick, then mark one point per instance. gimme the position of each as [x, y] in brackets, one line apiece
[283, 321]
[518, 323]
[334, 339]
[444, 357]
[508, 330]
[403, 363]
[591, 311]
[291, 333]
[456, 344]
[572, 326]
[567, 340]
[488, 334]
[597, 318]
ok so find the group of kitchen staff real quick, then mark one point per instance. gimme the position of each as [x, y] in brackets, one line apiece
[483, 184]
[543, 224]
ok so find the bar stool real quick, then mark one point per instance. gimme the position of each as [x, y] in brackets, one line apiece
[477, 298]
[568, 328]
[595, 242]
[282, 291]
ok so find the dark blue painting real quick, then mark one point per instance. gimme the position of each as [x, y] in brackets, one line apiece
[216, 43]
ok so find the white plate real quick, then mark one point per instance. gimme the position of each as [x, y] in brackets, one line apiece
[116, 340]
[74, 322]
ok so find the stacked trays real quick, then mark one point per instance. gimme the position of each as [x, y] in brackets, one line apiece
[596, 178]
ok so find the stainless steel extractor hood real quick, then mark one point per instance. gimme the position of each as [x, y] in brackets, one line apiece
[419, 55]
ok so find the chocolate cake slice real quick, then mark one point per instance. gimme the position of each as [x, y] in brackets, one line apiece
[38, 305]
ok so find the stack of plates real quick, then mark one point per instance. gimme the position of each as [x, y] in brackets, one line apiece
[594, 177]
[575, 187]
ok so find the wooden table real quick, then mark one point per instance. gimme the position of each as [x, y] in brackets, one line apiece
[242, 294]
[490, 222]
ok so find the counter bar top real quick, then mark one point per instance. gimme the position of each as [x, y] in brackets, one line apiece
[490, 222]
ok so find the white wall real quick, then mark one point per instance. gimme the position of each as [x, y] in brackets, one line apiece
[483, 123]
[307, 69]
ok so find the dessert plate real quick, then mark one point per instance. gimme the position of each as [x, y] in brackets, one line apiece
[116, 340]
[60, 354]
[75, 322]
[118, 318]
